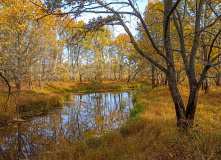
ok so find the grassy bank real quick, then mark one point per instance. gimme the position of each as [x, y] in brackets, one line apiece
[151, 132]
[90, 86]
[29, 103]
[36, 101]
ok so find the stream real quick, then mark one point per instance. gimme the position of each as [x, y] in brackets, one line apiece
[87, 115]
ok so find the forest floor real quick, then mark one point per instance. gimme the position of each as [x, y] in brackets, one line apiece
[151, 132]
[34, 101]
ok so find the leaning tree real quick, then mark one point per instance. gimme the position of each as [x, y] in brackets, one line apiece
[185, 16]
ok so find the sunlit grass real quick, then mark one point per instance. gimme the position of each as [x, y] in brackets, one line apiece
[32, 104]
[88, 86]
[151, 133]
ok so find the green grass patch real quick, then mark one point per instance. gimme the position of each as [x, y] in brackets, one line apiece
[138, 108]
[67, 94]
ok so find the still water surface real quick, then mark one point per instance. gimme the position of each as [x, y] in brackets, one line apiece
[87, 115]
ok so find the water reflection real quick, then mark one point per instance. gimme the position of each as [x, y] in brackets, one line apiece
[86, 116]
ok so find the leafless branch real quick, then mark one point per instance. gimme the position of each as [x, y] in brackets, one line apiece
[209, 3]
[169, 14]
[132, 37]
[148, 32]
[179, 29]
[9, 88]
[211, 46]
[210, 25]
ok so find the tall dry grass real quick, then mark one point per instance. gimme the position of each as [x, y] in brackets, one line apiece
[28, 104]
[152, 133]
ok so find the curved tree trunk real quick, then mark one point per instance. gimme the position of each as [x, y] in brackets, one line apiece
[191, 105]
[177, 99]
[185, 117]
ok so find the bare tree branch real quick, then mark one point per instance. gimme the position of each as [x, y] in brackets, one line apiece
[195, 42]
[9, 88]
[211, 46]
[169, 14]
[179, 29]
[133, 40]
[210, 25]
[209, 3]
[148, 32]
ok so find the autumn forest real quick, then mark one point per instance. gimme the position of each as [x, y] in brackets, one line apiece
[110, 79]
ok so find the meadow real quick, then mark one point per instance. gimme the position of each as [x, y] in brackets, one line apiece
[151, 132]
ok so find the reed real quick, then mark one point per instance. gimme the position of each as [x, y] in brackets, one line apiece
[33, 104]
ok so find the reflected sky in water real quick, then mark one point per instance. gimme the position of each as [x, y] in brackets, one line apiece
[87, 115]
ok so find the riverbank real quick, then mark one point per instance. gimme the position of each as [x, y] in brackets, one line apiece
[34, 102]
[151, 132]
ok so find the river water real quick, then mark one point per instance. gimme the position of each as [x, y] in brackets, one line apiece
[87, 115]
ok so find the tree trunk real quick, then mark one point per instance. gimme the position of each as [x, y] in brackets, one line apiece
[30, 80]
[171, 73]
[178, 77]
[153, 76]
[128, 80]
[217, 79]
[72, 64]
[157, 78]
[120, 71]
[115, 77]
[206, 84]
[135, 74]
[177, 99]
[129, 75]
[110, 71]
[165, 81]
[18, 84]
[80, 79]
[191, 105]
